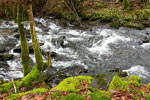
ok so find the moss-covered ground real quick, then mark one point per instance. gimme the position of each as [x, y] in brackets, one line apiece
[117, 13]
[79, 88]
[136, 14]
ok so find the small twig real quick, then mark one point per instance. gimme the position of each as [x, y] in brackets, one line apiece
[74, 12]
[12, 80]
[49, 59]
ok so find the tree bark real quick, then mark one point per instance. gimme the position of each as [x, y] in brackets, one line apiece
[35, 44]
[24, 44]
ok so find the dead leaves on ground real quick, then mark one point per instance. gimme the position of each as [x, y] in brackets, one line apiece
[131, 93]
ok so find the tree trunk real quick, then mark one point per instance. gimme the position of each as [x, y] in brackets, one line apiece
[35, 44]
[24, 44]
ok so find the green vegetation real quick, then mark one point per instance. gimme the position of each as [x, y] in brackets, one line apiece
[99, 95]
[73, 97]
[125, 4]
[24, 44]
[17, 96]
[128, 13]
[79, 88]
[123, 83]
[71, 83]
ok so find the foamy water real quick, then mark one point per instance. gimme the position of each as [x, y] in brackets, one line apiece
[97, 48]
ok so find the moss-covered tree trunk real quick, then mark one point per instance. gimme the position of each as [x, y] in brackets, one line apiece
[24, 44]
[35, 44]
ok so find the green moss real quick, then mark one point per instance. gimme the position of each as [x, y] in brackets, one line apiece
[106, 15]
[118, 83]
[147, 97]
[134, 25]
[26, 81]
[73, 97]
[33, 75]
[133, 78]
[143, 14]
[148, 86]
[17, 96]
[24, 44]
[125, 4]
[99, 95]
[6, 87]
[69, 84]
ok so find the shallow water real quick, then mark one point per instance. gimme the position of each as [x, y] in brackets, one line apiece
[98, 49]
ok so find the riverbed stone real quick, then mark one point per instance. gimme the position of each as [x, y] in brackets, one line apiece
[54, 77]
[145, 39]
[6, 56]
[7, 43]
[4, 65]
[18, 48]
[102, 81]
[27, 33]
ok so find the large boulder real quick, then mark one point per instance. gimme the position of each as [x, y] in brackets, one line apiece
[102, 81]
[53, 77]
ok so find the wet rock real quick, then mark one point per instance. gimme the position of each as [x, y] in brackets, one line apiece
[75, 70]
[7, 31]
[6, 56]
[18, 35]
[53, 54]
[59, 41]
[115, 70]
[7, 43]
[18, 48]
[54, 77]
[27, 33]
[102, 81]
[66, 44]
[145, 39]
[60, 57]
[4, 65]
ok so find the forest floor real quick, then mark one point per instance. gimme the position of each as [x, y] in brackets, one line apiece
[93, 12]
[79, 88]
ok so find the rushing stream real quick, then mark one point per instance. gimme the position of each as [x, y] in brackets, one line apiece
[98, 49]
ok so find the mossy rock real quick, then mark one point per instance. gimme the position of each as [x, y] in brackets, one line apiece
[19, 95]
[73, 97]
[102, 81]
[118, 83]
[70, 84]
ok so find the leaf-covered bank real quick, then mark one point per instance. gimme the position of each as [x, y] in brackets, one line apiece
[81, 88]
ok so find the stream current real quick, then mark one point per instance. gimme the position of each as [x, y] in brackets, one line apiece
[98, 49]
